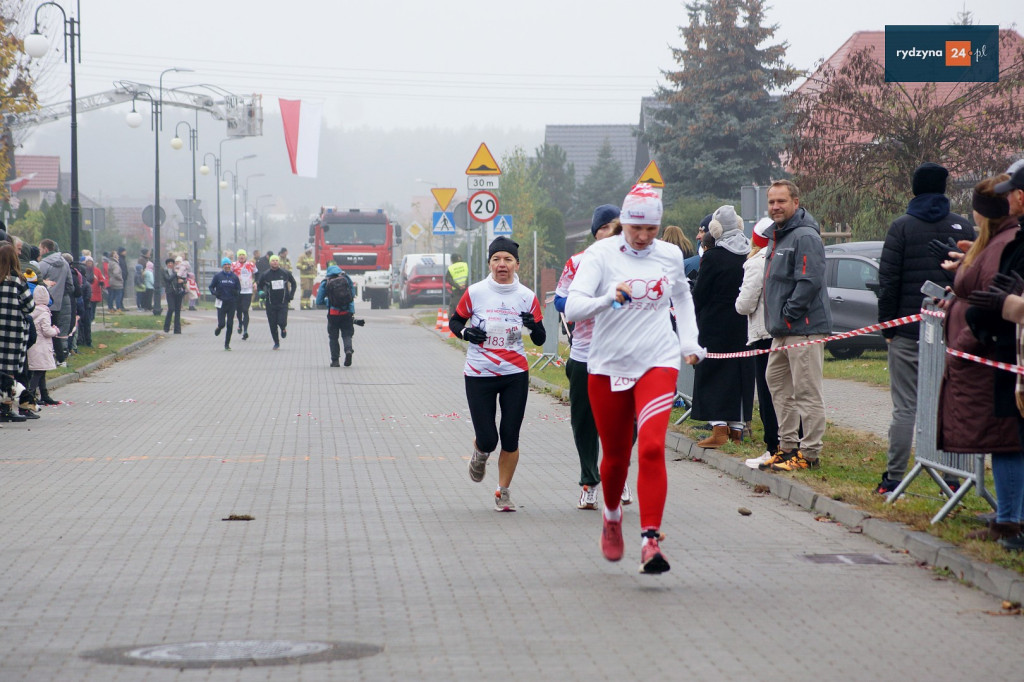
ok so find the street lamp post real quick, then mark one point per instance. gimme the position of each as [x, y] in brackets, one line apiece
[36, 46]
[259, 216]
[234, 190]
[193, 144]
[245, 206]
[156, 122]
[205, 170]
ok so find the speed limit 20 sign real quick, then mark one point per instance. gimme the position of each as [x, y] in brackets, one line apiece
[483, 206]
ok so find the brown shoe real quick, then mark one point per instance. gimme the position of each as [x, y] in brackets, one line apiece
[736, 435]
[995, 531]
[719, 436]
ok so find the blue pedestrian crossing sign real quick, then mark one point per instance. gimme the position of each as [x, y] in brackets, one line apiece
[444, 222]
[502, 224]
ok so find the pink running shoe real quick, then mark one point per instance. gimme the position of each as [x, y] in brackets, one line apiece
[612, 545]
[652, 561]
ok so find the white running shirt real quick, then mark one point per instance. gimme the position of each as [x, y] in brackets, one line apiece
[632, 339]
[584, 329]
[496, 308]
[246, 274]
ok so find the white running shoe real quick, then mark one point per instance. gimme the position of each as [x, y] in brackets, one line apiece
[588, 497]
[627, 494]
[503, 501]
[756, 462]
[478, 465]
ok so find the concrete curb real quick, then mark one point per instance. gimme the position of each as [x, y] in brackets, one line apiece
[991, 579]
[82, 372]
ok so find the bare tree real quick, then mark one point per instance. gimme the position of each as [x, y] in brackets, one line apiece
[857, 138]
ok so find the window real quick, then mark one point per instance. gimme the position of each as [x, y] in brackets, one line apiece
[854, 274]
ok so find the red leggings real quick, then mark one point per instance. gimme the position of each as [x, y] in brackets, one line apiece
[649, 404]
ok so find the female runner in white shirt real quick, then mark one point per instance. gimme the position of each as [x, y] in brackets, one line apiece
[498, 309]
[627, 284]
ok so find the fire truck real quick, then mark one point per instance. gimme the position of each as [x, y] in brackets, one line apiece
[360, 243]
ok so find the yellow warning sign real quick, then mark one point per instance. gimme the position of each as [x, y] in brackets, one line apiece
[652, 176]
[443, 196]
[483, 162]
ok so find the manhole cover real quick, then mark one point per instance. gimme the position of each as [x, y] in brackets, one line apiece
[851, 559]
[234, 654]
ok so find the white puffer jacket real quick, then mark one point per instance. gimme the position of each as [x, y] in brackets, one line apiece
[750, 302]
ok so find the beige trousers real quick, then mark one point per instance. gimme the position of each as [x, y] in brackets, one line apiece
[794, 379]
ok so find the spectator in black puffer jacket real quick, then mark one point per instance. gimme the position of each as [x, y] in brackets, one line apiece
[906, 264]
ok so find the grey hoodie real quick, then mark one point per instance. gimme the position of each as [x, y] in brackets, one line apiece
[53, 267]
[795, 294]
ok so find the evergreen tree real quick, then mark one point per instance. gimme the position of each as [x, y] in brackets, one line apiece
[719, 126]
[557, 176]
[57, 224]
[606, 183]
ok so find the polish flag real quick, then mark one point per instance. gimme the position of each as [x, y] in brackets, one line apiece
[302, 134]
[18, 183]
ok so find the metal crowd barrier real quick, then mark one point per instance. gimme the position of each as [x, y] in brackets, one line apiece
[684, 390]
[553, 326]
[928, 458]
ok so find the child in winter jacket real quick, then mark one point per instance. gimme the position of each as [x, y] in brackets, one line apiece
[40, 354]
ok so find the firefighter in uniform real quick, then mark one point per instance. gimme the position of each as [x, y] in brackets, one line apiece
[307, 272]
[458, 277]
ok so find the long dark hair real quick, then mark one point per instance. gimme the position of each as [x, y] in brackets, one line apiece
[9, 264]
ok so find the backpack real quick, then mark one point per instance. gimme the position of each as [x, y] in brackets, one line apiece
[339, 292]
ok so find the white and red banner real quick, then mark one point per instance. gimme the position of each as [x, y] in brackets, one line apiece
[302, 134]
[17, 184]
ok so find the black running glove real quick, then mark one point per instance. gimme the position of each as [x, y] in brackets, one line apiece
[474, 335]
[529, 322]
[360, 323]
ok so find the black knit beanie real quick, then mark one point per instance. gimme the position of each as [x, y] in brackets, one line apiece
[503, 244]
[929, 178]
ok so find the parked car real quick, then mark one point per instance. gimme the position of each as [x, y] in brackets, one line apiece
[421, 279]
[852, 278]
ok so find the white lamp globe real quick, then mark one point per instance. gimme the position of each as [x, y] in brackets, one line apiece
[223, 184]
[204, 170]
[176, 143]
[133, 119]
[36, 45]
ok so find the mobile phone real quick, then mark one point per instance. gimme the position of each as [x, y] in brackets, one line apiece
[933, 290]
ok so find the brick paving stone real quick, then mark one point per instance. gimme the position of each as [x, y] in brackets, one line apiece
[368, 529]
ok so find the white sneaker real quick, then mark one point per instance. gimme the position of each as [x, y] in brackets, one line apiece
[503, 501]
[756, 462]
[627, 494]
[588, 497]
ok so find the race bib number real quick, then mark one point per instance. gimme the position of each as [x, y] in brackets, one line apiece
[218, 303]
[498, 335]
[277, 284]
[622, 383]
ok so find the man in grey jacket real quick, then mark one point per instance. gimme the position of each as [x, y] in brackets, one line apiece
[796, 311]
[54, 272]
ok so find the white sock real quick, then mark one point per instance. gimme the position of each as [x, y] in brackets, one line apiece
[613, 514]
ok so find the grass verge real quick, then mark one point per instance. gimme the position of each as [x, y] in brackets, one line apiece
[104, 343]
[851, 466]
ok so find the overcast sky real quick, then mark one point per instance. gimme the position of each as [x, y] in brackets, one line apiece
[410, 87]
[444, 63]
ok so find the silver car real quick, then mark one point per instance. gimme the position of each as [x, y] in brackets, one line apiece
[852, 278]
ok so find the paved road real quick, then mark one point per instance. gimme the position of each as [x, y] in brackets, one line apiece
[368, 530]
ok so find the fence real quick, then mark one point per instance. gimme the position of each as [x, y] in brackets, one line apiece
[928, 458]
[549, 351]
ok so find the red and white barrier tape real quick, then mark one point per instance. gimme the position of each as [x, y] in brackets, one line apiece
[842, 335]
[1016, 369]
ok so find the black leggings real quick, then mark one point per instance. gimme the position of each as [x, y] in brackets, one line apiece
[243, 312]
[510, 390]
[226, 318]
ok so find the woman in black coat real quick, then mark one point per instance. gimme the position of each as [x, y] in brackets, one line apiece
[723, 392]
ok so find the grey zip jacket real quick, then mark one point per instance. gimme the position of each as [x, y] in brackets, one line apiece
[795, 294]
